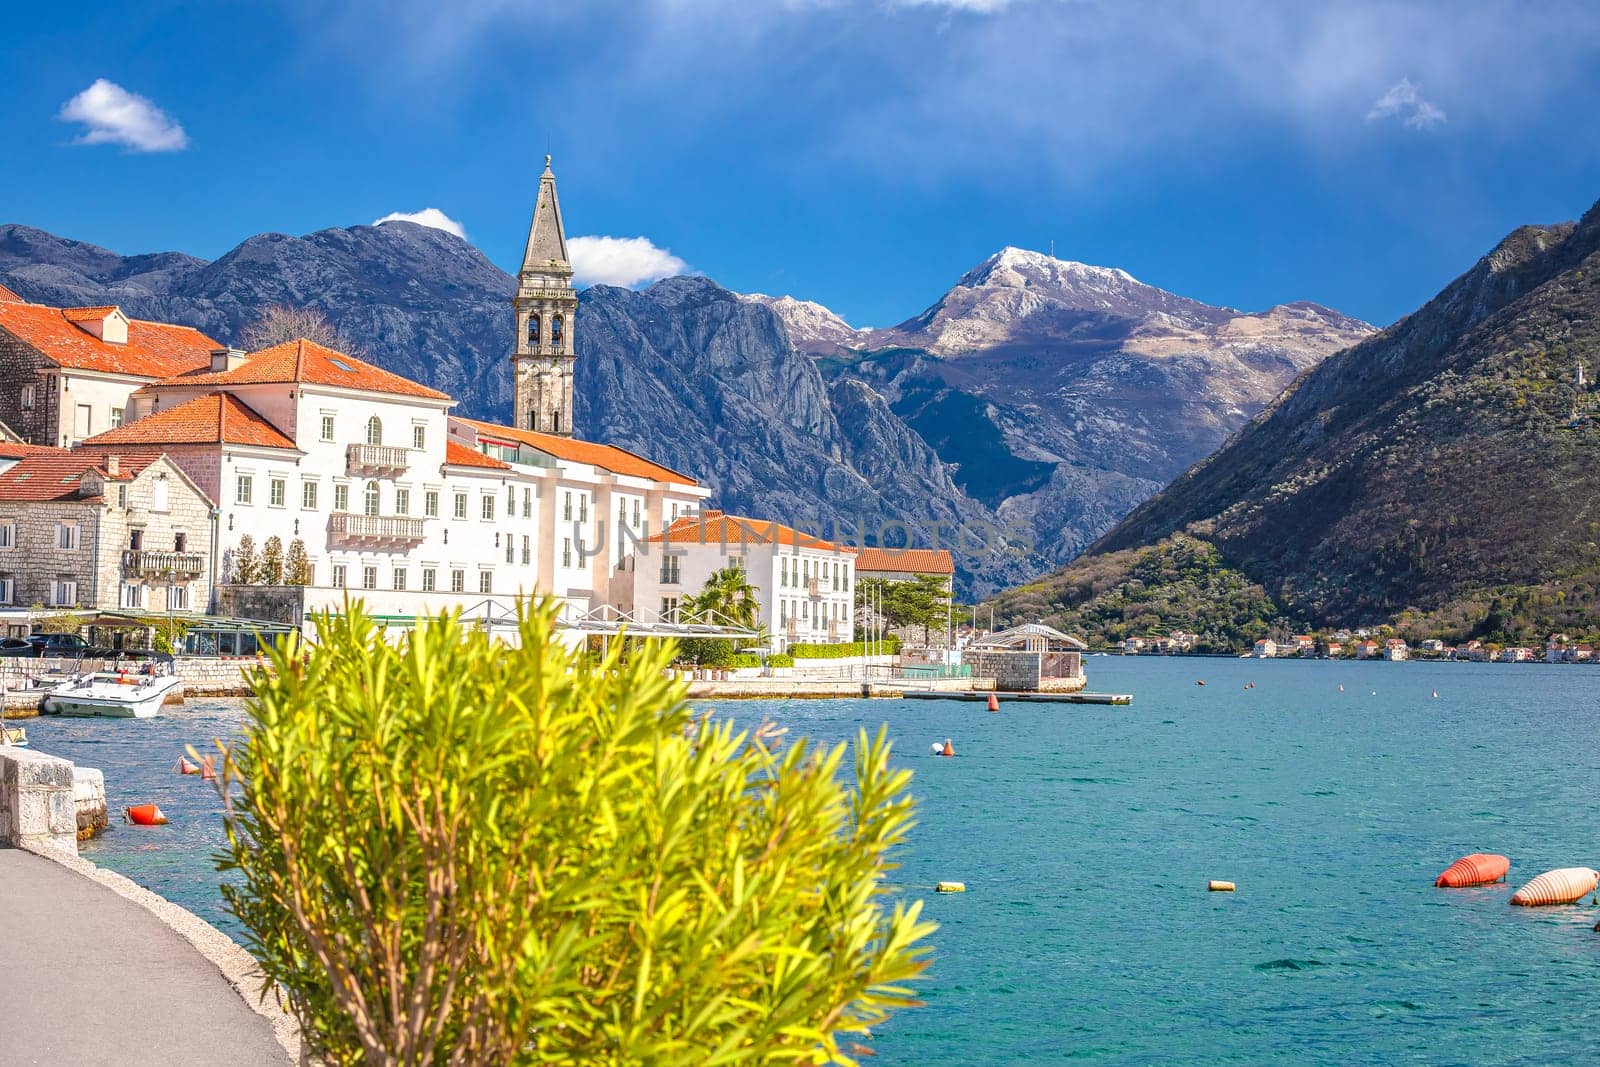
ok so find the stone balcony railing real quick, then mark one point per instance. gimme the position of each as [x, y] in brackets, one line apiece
[372, 529]
[377, 459]
[160, 564]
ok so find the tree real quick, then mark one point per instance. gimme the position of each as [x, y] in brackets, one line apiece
[296, 566]
[563, 866]
[272, 561]
[246, 564]
[921, 601]
[728, 599]
[280, 323]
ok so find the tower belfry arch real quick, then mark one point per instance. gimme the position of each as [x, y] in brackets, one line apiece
[546, 307]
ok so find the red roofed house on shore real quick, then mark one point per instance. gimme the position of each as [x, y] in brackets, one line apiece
[125, 529]
[67, 372]
[805, 586]
[912, 564]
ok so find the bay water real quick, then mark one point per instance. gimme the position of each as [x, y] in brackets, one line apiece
[1331, 793]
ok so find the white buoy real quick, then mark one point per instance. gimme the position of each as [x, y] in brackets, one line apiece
[938, 748]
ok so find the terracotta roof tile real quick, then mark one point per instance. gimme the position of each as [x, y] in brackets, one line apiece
[88, 314]
[7, 294]
[307, 361]
[16, 450]
[58, 475]
[606, 457]
[154, 349]
[715, 528]
[905, 560]
[216, 418]
[457, 454]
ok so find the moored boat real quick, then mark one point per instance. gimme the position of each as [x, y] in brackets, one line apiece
[117, 694]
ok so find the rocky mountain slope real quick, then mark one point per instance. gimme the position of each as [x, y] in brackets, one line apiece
[1441, 473]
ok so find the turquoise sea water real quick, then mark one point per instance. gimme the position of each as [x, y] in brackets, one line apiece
[1086, 836]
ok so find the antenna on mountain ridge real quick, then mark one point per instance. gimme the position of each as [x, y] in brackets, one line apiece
[1052, 248]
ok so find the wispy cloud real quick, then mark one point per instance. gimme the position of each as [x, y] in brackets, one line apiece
[1405, 101]
[428, 216]
[625, 261]
[113, 115]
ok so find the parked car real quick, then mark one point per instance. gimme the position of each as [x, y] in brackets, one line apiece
[17, 646]
[58, 644]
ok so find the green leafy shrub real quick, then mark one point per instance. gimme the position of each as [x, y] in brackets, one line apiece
[888, 647]
[453, 851]
[779, 659]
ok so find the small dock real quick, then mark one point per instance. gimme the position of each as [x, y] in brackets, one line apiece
[1028, 698]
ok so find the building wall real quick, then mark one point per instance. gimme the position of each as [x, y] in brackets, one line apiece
[135, 507]
[35, 562]
[20, 365]
[102, 395]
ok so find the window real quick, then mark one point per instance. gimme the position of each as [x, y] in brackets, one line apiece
[458, 581]
[485, 581]
[369, 499]
[636, 511]
[555, 421]
[341, 497]
[8, 590]
[116, 417]
[669, 609]
[8, 535]
[669, 570]
[555, 337]
[243, 488]
[402, 501]
[135, 540]
[428, 578]
[461, 505]
[527, 551]
[583, 507]
[132, 595]
[158, 494]
[178, 598]
[399, 578]
[275, 492]
[180, 542]
[67, 538]
[487, 507]
[27, 398]
[533, 331]
[308, 495]
[566, 551]
[835, 572]
[83, 424]
[419, 437]
[65, 594]
[327, 426]
[430, 503]
[511, 501]
[122, 497]
[527, 503]
[566, 507]
[511, 551]
[338, 576]
[374, 431]
[369, 577]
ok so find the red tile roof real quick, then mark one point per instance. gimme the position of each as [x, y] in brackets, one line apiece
[216, 418]
[606, 457]
[89, 314]
[15, 450]
[715, 528]
[7, 294]
[56, 476]
[905, 560]
[459, 455]
[307, 361]
[154, 349]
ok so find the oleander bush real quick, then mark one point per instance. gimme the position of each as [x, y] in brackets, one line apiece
[451, 851]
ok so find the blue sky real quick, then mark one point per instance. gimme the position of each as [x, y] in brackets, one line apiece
[862, 153]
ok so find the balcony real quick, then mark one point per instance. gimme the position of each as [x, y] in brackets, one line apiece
[816, 588]
[377, 459]
[178, 565]
[376, 529]
[669, 576]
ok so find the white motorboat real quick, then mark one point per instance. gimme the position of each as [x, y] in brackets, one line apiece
[118, 694]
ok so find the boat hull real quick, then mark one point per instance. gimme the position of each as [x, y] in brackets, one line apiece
[108, 700]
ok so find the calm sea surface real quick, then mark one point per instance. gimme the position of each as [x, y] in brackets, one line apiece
[1086, 836]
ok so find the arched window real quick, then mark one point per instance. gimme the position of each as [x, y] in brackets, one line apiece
[533, 420]
[369, 502]
[533, 331]
[555, 421]
[374, 431]
[555, 332]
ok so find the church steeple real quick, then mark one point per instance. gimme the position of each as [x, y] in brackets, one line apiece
[546, 305]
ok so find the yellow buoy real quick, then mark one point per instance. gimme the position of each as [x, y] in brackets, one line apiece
[951, 887]
[1219, 887]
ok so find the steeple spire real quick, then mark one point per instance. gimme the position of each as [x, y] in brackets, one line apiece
[546, 305]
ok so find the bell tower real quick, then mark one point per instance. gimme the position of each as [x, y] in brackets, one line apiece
[545, 305]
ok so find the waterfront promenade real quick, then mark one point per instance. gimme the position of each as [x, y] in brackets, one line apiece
[93, 977]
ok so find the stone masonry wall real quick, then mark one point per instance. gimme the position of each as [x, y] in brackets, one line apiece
[37, 803]
[1012, 671]
[20, 364]
[36, 561]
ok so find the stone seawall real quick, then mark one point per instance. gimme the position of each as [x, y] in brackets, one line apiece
[38, 805]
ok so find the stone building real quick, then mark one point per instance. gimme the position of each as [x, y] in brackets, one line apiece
[113, 530]
[546, 308]
[68, 372]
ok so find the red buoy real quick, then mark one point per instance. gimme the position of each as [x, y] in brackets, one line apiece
[187, 766]
[1480, 868]
[994, 702]
[949, 749]
[144, 815]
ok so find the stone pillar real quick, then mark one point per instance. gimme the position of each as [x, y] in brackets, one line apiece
[38, 807]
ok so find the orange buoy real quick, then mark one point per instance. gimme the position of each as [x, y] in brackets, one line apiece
[1561, 886]
[1480, 868]
[185, 766]
[144, 815]
[1200, 682]
[994, 702]
[949, 749]
[208, 770]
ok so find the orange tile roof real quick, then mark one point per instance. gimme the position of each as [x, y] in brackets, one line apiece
[307, 361]
[154, 349]
[16, 450]
[457, 454]
[56, 476]
[88, 314]
[906, 560]
[715, 528]
[216, 418]
[606, 457]
[7, 294]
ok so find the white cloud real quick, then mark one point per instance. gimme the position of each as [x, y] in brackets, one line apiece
[428, 216]
[1405, 101]
[625, 261]
[113, 115]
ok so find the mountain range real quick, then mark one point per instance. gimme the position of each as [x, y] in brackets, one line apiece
[1440, 475]
[1032, 406]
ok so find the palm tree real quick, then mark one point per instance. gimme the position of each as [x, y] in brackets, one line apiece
[728, 599]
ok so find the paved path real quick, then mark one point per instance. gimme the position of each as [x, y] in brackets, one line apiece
[88, 977]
